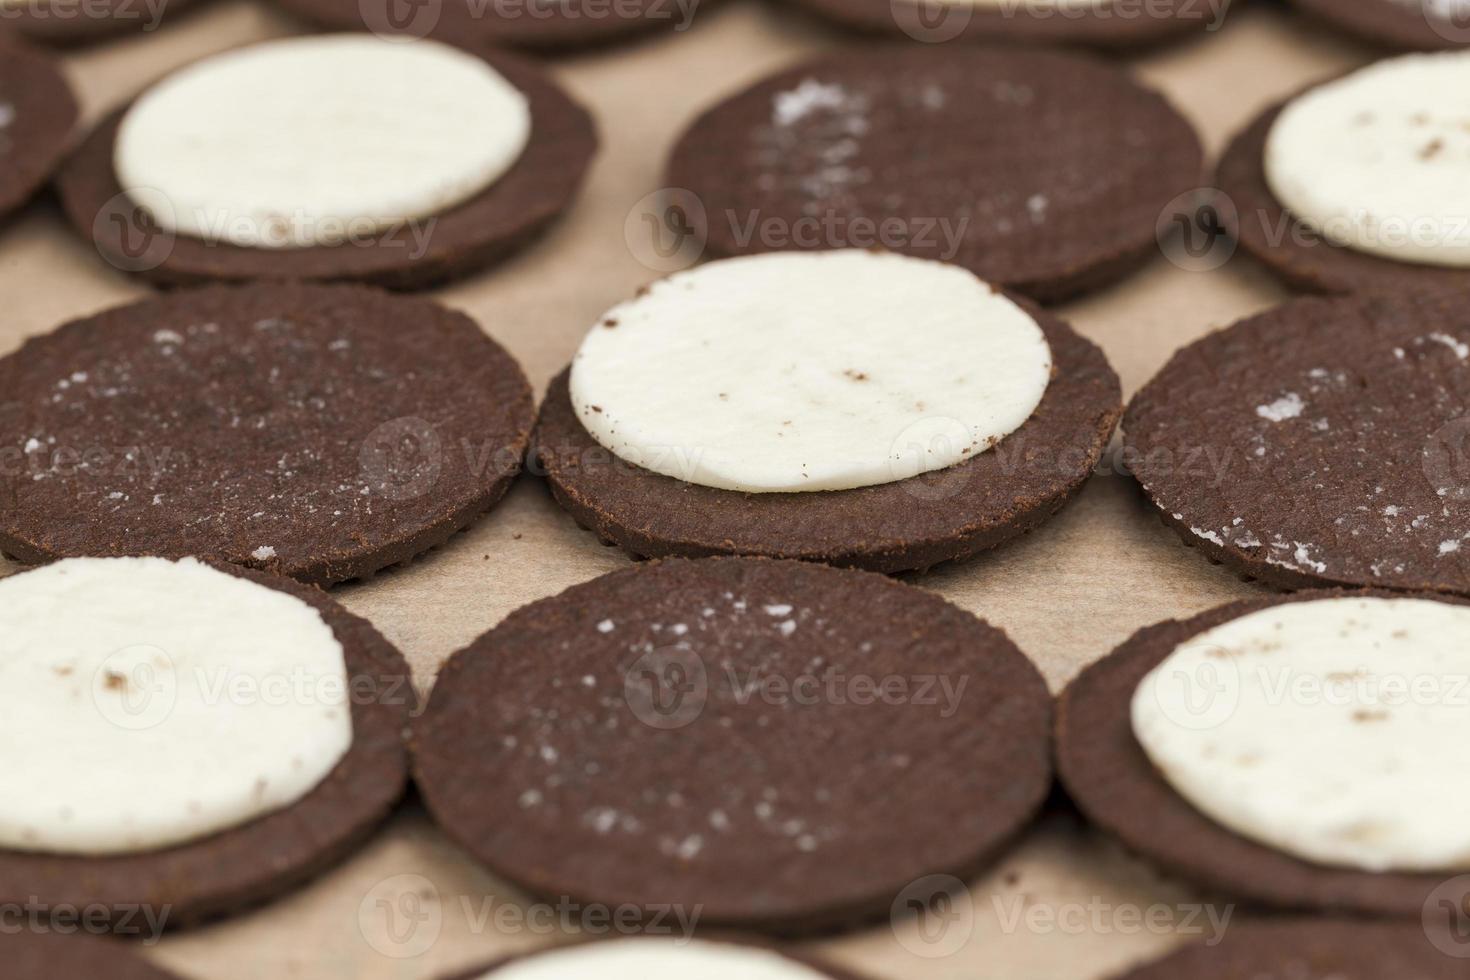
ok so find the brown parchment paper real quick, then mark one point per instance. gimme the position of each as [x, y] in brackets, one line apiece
[1065, 904]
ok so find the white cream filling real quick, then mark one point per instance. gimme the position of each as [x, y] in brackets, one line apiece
[804, 371]
[656, 959]
[1379, 161]
[157, 702]
[1333, 730]
[323, 140]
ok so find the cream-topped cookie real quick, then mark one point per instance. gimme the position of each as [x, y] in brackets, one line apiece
[319, 141]
[159, 702]
[1330, 729]
[810, 371]
[1379, 161]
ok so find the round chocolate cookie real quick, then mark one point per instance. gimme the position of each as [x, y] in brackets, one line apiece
[506, 216]
[775, 745]
[1413, 25]
[1310, 949]
[1114, 783]
[1039, 171]
[322, 432]
[252, 863]
[37, 114]
[75, 22]
[1320, 443]
[657, 959]
[1304, 259]
[1115, 24]
[42, 954]
[910, 524]
[537, 25]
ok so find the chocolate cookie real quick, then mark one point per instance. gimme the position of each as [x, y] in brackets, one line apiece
[74, 22]
[1300, 256]
[535, 25]
[37, 114]
[46, 955]
[1040, 171]
[1123, 24]
[1310, 949]
[499, 221]
[322, 432]
[1320, 443]
[1414, 25]
[915, 523]
[1111, 779]
[249, 864]
[705, 736]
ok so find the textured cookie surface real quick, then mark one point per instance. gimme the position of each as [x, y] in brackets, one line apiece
[1096, 23]
[507, 215]
[780, 745]
[1111, 779]
[1311, 949]
[48, 955]
[535, 26]
[1425, 25]
[68, 24]
[1292, 250]
[1322, 442]
[254, 862]
[1038, 171]
[323, 432]
[913, 523]
[37, 113]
